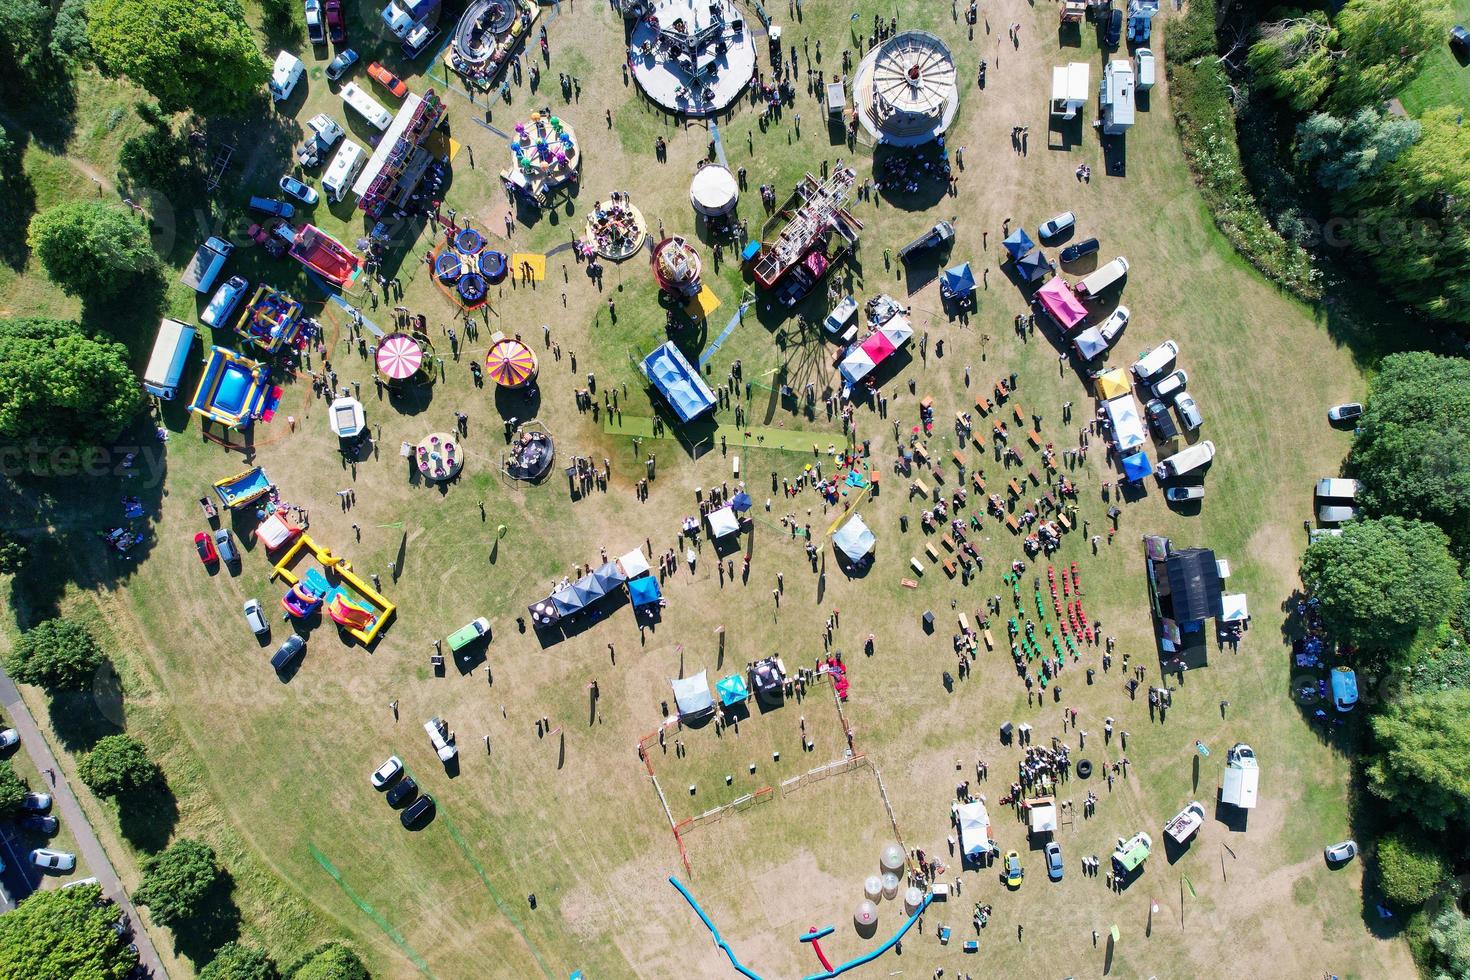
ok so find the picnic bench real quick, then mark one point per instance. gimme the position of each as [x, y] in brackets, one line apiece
[1020, 415]
[978, 440]
[921, 452]
[978, 482]
[958, 459]
[982, 404]
[989, 640]
[1011, 523]
[931, 551]
[921, 487]
[908, 583]
[948, 542]
[914, 563]
[1015, 487]
[1034, 438]
[949, 567]
[1062, 520]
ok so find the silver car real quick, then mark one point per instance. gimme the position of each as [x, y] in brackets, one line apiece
[1341, 852]
[1170, 385]
[1189, 414]
[255, 617]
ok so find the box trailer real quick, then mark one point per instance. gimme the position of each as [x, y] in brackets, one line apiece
[1071, 86]
[1241, 777]
[170, 354]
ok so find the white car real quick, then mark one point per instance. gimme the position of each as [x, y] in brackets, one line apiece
[50, 860]
[9, 738]
[1189, 414]
[255, 617]
[1059, 225]
[1180, 494]
[1114, 324]
[1346, 412]
[387, 772]
[1170, 385]
[303, 193]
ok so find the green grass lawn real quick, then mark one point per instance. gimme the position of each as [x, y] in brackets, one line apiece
[1445, 80]
[275, 774]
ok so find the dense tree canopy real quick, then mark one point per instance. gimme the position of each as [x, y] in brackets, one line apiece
[91, 249]
[58, 654]
[330, 961]
[14, 554]
[1423, 764]
[117, 765]
[237, 961]
[62, 934]
[1381, 581]
[12, 789]
[177, 880]
[1341, 153]
[1293, 57]
[59, 386]
[1409, 870]
[187, 54]
[1449, 934]
[1412, 452]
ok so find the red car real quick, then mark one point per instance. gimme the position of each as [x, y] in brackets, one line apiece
[204, 544]
[388, 80]
[336, 27]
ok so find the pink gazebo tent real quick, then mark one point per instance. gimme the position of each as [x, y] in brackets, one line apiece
[1062, 304]
[399, 356]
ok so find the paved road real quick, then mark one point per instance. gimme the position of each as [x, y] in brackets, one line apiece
[66, 808]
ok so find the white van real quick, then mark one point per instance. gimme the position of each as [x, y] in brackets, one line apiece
[1186, 460]
[170, 354]
[1146, 69]
[1103, 278]
[368, 107]
[285, 74]
[1156, 361]
[343, 169]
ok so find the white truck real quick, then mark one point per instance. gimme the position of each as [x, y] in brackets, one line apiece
[445, 749]
[1238, 789]
[1186, 822]
[170, 354]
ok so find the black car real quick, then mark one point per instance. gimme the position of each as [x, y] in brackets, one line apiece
[39, 824]
[1083, 248]
[1160, 419]
[1114, 29]
[289, 652]
[417, 811]
[403, 791]
[1460, 40]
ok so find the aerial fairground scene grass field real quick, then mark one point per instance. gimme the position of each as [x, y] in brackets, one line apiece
[670, 488]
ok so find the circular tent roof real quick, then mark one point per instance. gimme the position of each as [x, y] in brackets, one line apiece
[510, 363]
[905, 89]
[714, 191]
[399, 356]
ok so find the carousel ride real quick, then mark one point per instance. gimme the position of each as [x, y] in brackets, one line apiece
[545, 157]
[466, 269]
[405, 360]
[486, 38]
[438, 457]
[677, 267]
[692, 57]
[531, 454]
[510, 363]
[616, 230]
[905, 90]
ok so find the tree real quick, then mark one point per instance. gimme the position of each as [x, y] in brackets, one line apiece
[117, 765]
[1294, 59]
[13, 553]
[1383, 44]
[1341, 153]
[1412, 221]
[58, 654]
[91, 249]
[187, 54]
[1449, 934]
[236, 961]
[1423, 766]
[330, 961]
[24, 26]
[177, 880]
[62, 934]
[59, 386]
[1408, 871]
[12, 790]
[69, 44]
[1381, 581]
[158, 157]
[1412, 451]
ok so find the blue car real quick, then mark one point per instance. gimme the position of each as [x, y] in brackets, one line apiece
[1053, 860]
[266, 205]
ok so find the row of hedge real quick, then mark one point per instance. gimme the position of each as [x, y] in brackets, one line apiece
[1200, 95]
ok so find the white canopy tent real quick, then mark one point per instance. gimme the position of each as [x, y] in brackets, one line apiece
[1128, 430]
[347, 417]
[1090, 343]
[692, 696]
[854, 539]
[1043, 818]
[722, 521]
[633, 563]
[1234, 608]
[974, 824]
[1071, 87]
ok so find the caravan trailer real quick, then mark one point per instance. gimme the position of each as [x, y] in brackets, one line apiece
[368, 107]
[343, 169]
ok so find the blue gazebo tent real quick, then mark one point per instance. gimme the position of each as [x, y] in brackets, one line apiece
[1033, 265]
[692, 696]
[678, 382]
[1136, 467]
[741, 503]
[1018, 243]
[957, 282]
[732, 690]
[644, 591]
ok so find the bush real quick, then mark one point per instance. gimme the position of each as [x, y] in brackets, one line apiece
[12, 789]
[58, 654]
[236, 961]
[1409, 872]
[117, 765]
[91, 249]
[177, 881]
[1200, 96]
[329, 961]
[60, 387]
[13, 553]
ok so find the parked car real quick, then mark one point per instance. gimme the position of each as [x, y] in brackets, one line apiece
[226, 545]
[387, 772]
[316, 29]
[51, 860]
[222, 304]
[1156, 361]
[1014, 872]
[387, 79]
[402, 791]
[1114, 324]
[1170, 384]
[39, 823]
[1344, 687]
[255, 617]
[36, 802]
[468, 634]
[1189, 413]
[1346, 412]
[1059, 225]
[1080, 250]
[416, 811]
[1158, 415]
[336, 25]
[1341, 852]
[1054, 868]
[9, 738]
[418, 39]
[288, 652]
[325, 132]
[835, 324]
[204, 544]
[341, 64]
[1179, 495]
[1114, 29]
[272, 207]
[303, 193]
[1460, 40]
